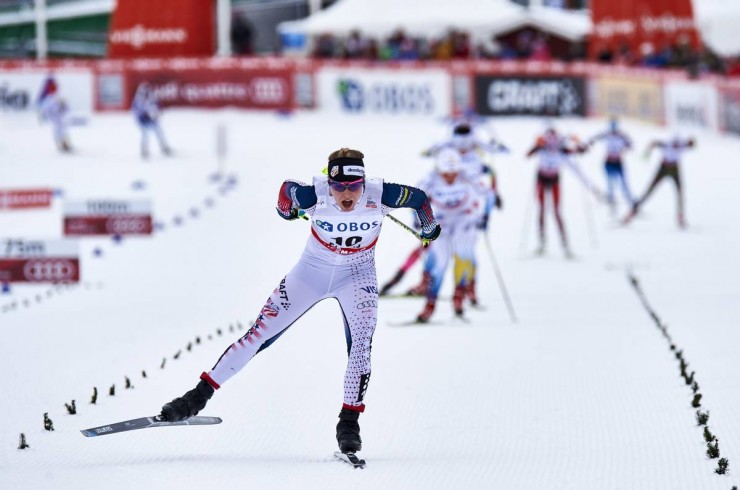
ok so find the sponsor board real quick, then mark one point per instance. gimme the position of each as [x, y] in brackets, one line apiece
[39, 261]
[691, 105]
[107, 217]
[249, 89]
[423, 92]
[25, 198]
[172, 28]
[525, 95]
[730, 110]
[634, 98]
[19, 90]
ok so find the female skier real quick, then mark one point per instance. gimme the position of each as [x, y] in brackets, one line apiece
[338, 262]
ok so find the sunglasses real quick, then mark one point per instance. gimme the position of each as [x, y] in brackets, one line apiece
[353, 186]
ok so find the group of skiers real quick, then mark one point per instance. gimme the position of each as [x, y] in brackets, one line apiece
[53, 108]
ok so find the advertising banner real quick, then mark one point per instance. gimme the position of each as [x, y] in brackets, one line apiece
[39, 261]
[25, 198]
[165, 28]
[530, 95]
[249, 89]
[639, 23]
[107, 217]
[691, 105]
[730, 110]
[19, 90]
[630, 97]
[421, 92]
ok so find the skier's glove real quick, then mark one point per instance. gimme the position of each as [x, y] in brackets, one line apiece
[499, 203]
[430, 233]
[483, 223]
[292, 214]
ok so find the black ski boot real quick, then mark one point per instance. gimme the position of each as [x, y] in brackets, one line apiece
[348, 431]
[188, 404]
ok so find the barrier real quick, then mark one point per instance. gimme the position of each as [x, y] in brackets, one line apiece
[423, 88]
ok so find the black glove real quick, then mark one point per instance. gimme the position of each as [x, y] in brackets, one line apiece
[290, 216]
[499, 202]
[429, 234]
[483, 223]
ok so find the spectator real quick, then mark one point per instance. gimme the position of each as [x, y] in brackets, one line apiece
[242, 35]
[540, 49]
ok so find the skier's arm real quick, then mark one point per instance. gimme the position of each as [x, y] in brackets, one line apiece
[293, 197]
[406, 196]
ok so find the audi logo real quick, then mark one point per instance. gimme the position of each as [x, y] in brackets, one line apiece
[367, 304]
[49, 270]
[267, 90]
[122, 226]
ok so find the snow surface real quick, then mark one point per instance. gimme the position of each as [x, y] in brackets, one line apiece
[582, 393]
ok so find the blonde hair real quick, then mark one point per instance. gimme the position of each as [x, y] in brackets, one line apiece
[346, 153]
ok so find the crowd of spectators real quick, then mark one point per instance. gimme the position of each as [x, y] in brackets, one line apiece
[526, 45]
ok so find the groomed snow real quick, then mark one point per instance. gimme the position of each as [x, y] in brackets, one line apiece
[582, 393]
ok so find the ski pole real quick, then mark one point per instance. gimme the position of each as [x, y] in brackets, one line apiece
[424, 241]
[500, 279]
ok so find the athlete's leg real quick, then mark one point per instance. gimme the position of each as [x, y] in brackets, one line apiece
[438, 256]
[541, 217]
[555, 189]
[358, 299]
[301, 288]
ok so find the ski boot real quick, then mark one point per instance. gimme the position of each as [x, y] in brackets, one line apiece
[681, 221]
[427, 312]
[421, 288]
[348, 431]
[471, 294]
[457, 300]
[189, 404]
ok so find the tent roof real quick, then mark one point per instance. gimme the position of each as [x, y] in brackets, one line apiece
[430, 18]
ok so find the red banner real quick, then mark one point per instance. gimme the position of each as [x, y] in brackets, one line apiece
[641, 24]
[108, 225]
[43, 269]
[27, 198]
[253, 89]
[143, 28]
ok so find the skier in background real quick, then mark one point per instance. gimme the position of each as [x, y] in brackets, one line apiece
[146, 109]
[54, 110]
[458, 204]
[553, 151]
[338, 262]
[472, 150]
[669, 168]
[617, 143]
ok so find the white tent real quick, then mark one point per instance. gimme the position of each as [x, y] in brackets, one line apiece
[717, 21]
[432, 18]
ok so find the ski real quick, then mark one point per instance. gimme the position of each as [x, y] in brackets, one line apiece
[144, 423]
[351, 459]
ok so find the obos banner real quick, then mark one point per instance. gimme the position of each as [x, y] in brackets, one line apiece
[19, 91]
[730, 110]
[146, 28]
[107, 217]
[25, 198]
[250, 89]
[542, 96]
[634, 98]
[40, 261]
[691, 104]
[384, 92]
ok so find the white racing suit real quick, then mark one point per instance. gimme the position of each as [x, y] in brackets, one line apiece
[338, 262]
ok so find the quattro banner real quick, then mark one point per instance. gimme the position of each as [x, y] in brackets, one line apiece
[630, 97]
[39, 261]
[107, 217]
[419, 92]
[497, 95]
